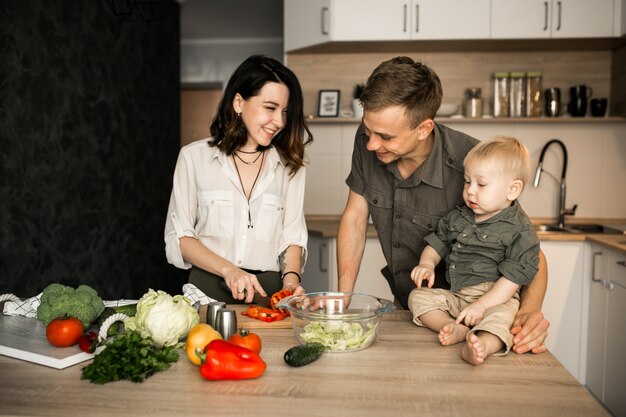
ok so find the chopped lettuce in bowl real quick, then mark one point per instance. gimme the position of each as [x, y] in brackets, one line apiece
[339, 335]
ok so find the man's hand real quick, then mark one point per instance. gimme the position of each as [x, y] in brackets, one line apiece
[530, 331]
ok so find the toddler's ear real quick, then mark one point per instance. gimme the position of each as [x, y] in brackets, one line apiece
[515, 189]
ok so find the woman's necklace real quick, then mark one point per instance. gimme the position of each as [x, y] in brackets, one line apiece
[248, 152]
[250, 225]
[246, 162]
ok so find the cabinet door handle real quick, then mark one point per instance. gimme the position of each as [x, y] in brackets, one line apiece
[558, 25]
[404, 18]
[323, 22]
[545, 14]
[417, 18]
[621, 263]
[593, 266]
[323, 264]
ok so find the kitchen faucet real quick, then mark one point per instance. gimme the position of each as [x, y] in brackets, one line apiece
[562, 210]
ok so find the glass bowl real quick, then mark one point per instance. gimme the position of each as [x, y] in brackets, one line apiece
[341, 321]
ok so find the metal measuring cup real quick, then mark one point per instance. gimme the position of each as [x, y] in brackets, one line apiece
[226, 322]
[211, 312]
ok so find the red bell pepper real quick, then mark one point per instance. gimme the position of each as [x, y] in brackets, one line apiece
[223, 360]
[276, 297]
[263, 314]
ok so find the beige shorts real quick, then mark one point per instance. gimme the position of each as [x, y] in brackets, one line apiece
[497, 320]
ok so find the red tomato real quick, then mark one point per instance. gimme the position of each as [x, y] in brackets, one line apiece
[64, 331]
[246, 339]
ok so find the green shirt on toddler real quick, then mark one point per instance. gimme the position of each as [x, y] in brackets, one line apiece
[505, 245]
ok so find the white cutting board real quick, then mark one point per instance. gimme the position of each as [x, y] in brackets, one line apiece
[25, 338]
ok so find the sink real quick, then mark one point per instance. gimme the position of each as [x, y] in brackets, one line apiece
[554, 228]
[593, 228]
[576, 228]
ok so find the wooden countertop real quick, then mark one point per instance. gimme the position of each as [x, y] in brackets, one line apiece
[405, 373]
[612, 241]
[326, 226]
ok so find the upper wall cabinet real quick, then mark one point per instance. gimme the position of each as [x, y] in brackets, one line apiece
[306, 23]
[532, 19]
[313, 22]
[463, 19]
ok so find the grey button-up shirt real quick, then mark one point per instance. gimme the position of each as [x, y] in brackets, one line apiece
[505, 245]
[404, 211]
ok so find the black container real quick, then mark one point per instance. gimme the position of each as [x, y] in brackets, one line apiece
[579, 94]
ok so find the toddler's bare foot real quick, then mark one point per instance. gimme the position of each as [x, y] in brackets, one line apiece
[473, 352]
[452, 333]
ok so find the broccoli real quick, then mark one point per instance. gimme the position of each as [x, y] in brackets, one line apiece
[58, 300]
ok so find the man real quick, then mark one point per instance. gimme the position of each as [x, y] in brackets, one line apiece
[407, 172]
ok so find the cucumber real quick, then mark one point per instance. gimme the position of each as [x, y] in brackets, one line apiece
[304, 354]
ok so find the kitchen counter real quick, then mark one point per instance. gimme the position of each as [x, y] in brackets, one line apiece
[326, 226]
[612, 241]
[405, 373]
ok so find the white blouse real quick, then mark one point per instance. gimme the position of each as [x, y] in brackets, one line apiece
[208, 203]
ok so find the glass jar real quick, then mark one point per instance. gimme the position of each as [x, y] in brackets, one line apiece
[534, 95]
[517, 94]
[473, 102]
[500, 103]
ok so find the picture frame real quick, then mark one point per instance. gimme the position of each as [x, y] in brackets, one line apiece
[328, 103]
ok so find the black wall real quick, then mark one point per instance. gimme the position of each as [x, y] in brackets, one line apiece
[89, 134]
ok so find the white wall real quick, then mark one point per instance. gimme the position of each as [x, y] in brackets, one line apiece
[596, 174]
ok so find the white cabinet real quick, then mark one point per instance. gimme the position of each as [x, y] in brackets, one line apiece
[563, 301]
[528, 19]
[370, 20]
[320, 273]
[313, 22]
[606, 331]
[450, 19]
[596, 321]
[306, 23]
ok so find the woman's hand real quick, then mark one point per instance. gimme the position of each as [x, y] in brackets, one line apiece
[243, 285]
[291, 282]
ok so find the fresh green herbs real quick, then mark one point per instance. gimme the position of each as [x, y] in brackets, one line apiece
[131, 357]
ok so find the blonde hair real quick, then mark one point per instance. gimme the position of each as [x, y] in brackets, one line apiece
[510, 152]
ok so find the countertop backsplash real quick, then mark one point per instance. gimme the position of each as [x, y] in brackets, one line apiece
[596, 171]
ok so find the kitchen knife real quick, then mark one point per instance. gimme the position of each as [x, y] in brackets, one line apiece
[257, 299]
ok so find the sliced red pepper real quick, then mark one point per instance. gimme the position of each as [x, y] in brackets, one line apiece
[222, 360]
[277, 296]
[264, 314]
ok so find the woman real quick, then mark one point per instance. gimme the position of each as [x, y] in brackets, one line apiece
[236, 213]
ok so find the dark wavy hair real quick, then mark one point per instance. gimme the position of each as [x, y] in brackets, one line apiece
[229, 132]
[405, 82]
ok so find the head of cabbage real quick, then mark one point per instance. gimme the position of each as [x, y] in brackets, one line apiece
[163, 318]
